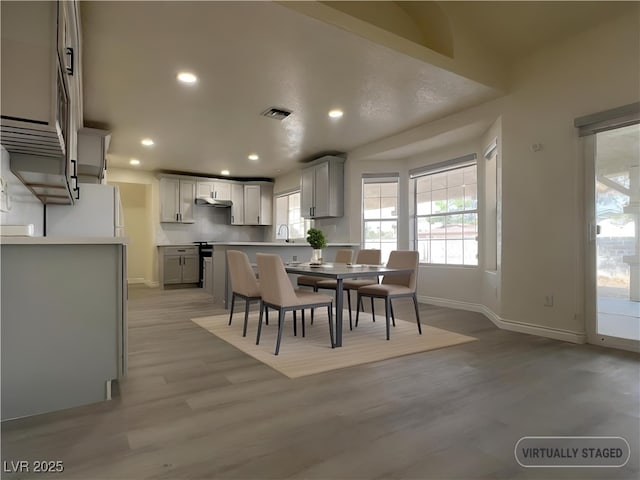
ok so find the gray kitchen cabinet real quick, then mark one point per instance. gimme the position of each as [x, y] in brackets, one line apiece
[41, 95]
[177, 199]
[252, 201]
[64, 324]
[92, 154]
[179, 265]
[322, 188]
[237, 204]
[172, 269]
[258, 204]
[219, 190]
[190, 273]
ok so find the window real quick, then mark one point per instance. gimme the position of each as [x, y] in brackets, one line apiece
[380, 214]
[288, 213]
[446, 223]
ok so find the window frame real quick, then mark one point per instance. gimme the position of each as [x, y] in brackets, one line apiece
[379, 179]
[305, 221]
[447, 166]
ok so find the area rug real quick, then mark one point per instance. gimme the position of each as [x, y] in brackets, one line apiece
[313, 354]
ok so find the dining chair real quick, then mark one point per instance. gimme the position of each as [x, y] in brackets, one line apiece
[243, 283]
[344, 255]
[278, 293]
[364, 257]
[395, 286]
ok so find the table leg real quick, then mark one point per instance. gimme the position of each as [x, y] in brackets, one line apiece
[339, 301]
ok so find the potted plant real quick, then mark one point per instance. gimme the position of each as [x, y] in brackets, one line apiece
[317, 240]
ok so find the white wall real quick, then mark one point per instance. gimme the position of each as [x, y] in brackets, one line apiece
[542, 207]
[24, 207]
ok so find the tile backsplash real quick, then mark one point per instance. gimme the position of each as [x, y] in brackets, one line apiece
[211, 224]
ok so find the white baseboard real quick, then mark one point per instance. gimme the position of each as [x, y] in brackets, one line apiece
[520, 327]
[142, 281]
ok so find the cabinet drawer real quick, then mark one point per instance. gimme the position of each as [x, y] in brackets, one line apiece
[181, 251]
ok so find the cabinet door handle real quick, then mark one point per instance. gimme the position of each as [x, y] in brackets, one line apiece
[232, 219]
[69, 51]
[177, 218]
[215, 194]
[258, 219]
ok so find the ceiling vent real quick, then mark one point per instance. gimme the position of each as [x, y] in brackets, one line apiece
[276, 113]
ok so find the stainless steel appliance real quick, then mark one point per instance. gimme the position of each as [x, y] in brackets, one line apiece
[205, 250]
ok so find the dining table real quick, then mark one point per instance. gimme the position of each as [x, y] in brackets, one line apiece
[338, 272]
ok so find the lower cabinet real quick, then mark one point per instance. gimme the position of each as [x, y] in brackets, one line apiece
[180, 265]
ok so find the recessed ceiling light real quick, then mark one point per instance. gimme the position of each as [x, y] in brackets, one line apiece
[134, 161]
[225, 172]
[147, 142]
[187, 77]
[253, 156]
[336, 113]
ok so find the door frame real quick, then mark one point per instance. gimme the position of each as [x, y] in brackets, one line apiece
[590, 270]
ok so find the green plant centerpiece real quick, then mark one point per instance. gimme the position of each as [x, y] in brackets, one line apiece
[318, 241]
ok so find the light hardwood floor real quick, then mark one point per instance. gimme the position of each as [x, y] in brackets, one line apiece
[195, 407]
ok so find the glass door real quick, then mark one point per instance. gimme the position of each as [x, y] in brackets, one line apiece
[615, 229]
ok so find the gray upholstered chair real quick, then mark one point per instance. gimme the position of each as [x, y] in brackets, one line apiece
[278, 294]
[365, 257]
[394, 286]
[344, 255]
[243, 283]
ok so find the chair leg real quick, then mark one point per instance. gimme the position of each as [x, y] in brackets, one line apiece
[358, 302]
[312, 316]
[280, 325]
[262, 307]
[233, 301]
[266, 315]
[349, 306]
[393, 315]
[387, 314]
[373, 312]
[415, 305]
[295, 324]
[303, 333]
[246, 316]
[329, 310]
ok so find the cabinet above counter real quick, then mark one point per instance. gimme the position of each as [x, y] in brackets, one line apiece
[249, 202]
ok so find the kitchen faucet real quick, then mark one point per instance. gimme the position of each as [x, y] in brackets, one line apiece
[280, 232]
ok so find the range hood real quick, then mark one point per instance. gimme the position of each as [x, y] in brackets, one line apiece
[213, 202]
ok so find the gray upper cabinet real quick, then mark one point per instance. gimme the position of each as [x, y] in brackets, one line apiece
[252, 204]
[237, 204]
[258, 204]
[218, 190]
[41, 91]
[177, 199]
[92, 154]
[322, 188]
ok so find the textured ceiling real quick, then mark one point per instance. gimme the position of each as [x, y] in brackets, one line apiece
[248, 56]
[253, 55]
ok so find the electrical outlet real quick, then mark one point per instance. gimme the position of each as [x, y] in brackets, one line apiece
[295, 258]
[548, 300]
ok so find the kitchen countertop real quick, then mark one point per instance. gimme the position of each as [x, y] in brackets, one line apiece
[282, 243]
[63, 240]
[190, 244]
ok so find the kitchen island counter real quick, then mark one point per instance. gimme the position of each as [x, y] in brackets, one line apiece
[63, 240]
